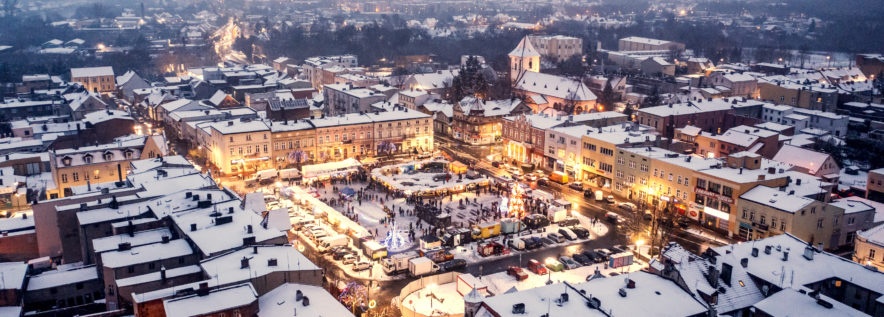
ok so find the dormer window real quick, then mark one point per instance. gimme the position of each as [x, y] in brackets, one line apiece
[66, 161]
[128, 154]
[87, 159]
[108, 156]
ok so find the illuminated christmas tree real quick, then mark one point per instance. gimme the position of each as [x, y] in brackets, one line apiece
[516, 206]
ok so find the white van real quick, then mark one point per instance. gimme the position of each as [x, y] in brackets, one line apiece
[599, 195]
[517, 243]
[329, 242]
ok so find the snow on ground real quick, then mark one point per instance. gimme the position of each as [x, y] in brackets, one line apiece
[441, 300]
[446, 300]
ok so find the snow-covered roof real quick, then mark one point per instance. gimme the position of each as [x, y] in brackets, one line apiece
[554, 86]
[874, 235]
[146, 253]
[281, 302]
[525, 49]
[650, 296]
[790, 302]
[205, 237]
[810, 160]
[218, 97]
[739, 292]
[218, 299]
[62, 276]
[797, 271]
[437, 80]
[226, 268]
[239, 126]
[92, 72]
[488, 108]
[644, 40]
[13, 275]
[774, 198]
[157, 275]
[699, 106]
[139, 238]
[18, 221]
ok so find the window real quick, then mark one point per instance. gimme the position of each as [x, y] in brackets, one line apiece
[679, 179]
[727, 191]
[687, 181]
[819, 223]
[871, 254]
[621, 161]
[701, 183]
[783, 225]
[87, 159]
[64, 178]
[752, 216]
[131, 269]
[76, 176]
[655, 172]
[763, 219]
[631, 164]
[643, 167]
[812, 210]
[850, 220]
[715, 188]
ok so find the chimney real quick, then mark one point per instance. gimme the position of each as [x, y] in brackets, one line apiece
[767, 249]
[754, 252]
[163, 274]
[249, 229]
[786, 255]
[165, 239]
[271, 262]
[203, 289]
[255, 249]
[244, 263]
[744, 262]
[193, 227]
[630, 284]
[808, 252]
[124, 246]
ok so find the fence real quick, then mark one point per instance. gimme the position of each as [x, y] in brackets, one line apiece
[439, 279]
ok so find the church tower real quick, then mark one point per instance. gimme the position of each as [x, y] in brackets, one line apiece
[524, 58]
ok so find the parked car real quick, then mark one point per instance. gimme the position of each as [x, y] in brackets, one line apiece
[536, 267]
[532, 243]
[594, 256]
[453, 265]
[555, 237]
[517, 272]
[349, 259]
[588, 193]
[568, 262]
[570, 221]
[618, 249]
[648, 215]
[581, 232]
[630, 207]
[567, 234]
[605, 253]
[554, 265]
[610, 199]
[361, 266]
[582, 259]
[576, 186]
[547, 241]
[341, 253]
[542, 182]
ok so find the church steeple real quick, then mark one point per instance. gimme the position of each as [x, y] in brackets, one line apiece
[524, 58]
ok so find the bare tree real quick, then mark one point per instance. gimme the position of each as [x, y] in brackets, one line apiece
[9, 7]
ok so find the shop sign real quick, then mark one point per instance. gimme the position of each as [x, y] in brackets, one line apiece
[703, 192]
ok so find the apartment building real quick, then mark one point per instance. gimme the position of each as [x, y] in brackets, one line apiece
[95, 79]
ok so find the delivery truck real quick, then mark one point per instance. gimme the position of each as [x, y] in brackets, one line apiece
[421, 266]
[397, 263]
[327, 243]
